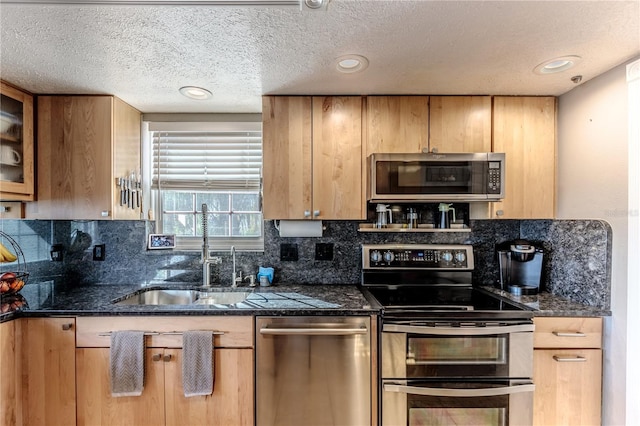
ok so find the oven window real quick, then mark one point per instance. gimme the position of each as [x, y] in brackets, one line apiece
[456, 350]
[456, 416]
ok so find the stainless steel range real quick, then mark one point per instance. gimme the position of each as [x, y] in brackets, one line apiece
[449, 353]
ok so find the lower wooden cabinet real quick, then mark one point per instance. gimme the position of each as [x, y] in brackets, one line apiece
[567, 364]
[10, 402]
[163, 402]
[47, 368]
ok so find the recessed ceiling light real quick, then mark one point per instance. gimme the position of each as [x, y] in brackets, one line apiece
[351, 63]
[198, 93]
[557, 64]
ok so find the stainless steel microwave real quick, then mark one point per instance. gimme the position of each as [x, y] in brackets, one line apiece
[436, 177]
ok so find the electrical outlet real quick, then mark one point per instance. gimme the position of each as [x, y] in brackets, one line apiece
[98, 252]
[324, 251]
[288, 252]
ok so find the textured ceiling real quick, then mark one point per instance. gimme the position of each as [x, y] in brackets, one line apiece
[143, 54]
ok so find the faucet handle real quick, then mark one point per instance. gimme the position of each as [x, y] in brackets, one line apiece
[252, 280]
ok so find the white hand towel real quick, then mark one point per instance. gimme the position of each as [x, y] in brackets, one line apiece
[127, 363]
[197, 363]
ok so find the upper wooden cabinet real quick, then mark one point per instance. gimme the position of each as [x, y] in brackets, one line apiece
[524, 128]
[460, 123]
[84, 144]
[312, 151]
[16, 144]
[397, 124]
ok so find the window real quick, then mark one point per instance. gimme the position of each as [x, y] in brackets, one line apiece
[217, 164]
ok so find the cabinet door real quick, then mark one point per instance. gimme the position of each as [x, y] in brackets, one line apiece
[16, 141]
[286, 145]
[10, 402]
[48, 371]
[96, 406]
[74, 157]
[568, 386]
[460, 123]
[524, 129]
[337, 158]
[126, 155]
[232, 400]
[397, 124]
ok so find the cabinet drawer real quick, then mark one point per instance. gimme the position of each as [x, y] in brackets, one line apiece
[567, 332]
[236, 331]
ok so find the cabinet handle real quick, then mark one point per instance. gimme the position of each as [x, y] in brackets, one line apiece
[156, 357]
[167, 358]
[569, 358]
[307, 213]
[316, 213]
[499, 212]
[67, 326]
[569, 334]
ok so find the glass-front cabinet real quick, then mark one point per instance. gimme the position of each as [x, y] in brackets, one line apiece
[16, 144]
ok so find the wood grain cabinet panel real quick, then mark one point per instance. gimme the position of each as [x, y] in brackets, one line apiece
[567, 371]
[84, 144]
[460, 123]
[48, 371]
[312, 156]
[397, 124]
[10, 402]
[525, 129]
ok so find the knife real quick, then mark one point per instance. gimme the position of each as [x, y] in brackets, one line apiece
[122, 193]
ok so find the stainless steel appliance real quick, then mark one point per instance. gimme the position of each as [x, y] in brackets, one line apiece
[313, 371]
[520, 267]
[449, 353]
[435, 177]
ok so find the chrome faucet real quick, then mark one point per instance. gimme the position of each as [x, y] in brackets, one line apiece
[206, 258]
[237, 277]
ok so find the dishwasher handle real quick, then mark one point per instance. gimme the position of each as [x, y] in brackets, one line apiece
[314, 330]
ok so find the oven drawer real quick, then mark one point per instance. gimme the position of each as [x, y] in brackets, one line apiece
[410, 351]
[567, 332]
[489, 403]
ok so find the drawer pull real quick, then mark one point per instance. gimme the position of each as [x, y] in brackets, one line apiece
[156, 357]
[167, 358]
[569, 358]
[156, 333]
[67, 326]
[569, 334]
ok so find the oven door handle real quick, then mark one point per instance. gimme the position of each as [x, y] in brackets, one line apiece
[446, 392]
[457, 331]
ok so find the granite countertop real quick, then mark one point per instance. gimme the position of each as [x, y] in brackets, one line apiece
[51, 298]
[545, 304]
[48, 298]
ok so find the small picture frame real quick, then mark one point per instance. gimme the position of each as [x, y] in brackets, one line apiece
[161, 241]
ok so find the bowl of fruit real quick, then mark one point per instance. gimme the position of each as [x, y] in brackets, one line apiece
[12, 282]
[13, 275]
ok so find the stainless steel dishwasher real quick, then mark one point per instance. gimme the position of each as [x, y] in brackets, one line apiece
[313, 371]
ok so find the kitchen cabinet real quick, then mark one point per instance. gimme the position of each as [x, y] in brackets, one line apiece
[460, 123]
[524, 128]
[48, 388]
[312, 155]
[10, 401]
[16, 144]
[397, 124]
[84, 144]
[163, 400]
[567, 371]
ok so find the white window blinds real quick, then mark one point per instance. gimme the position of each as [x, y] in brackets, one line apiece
[229, 158]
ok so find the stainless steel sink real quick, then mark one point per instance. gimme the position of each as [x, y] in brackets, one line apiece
[222, 297]
[185, 297]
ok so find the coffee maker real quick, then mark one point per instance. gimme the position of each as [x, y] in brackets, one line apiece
[520, 267]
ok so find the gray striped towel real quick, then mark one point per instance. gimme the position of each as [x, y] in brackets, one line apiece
[127, 363]
[197, 363]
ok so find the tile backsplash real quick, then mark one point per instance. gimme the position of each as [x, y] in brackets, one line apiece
[577, 264]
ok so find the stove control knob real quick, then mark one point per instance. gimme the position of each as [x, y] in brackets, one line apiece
[375, 256]
[461, 256]
[446, 256]
[388, 256]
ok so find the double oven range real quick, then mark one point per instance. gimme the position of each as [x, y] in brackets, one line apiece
[450, 353]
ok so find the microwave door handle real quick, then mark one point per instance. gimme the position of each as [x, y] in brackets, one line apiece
[446, 392]
[457, 331]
